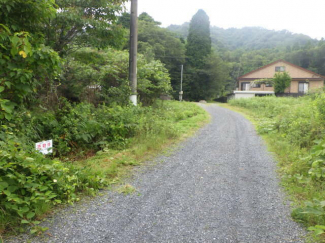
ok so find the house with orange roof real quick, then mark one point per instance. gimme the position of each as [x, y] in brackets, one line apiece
[302, 80]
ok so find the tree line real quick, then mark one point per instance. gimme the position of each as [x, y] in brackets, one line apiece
[249, 48]
[205, 73]
[53, 49]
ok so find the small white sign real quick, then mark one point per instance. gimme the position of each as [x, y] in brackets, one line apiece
[45, 147]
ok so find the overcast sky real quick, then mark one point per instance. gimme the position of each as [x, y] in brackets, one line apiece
[298, 16]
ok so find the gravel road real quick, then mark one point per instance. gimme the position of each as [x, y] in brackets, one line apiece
[218, 186]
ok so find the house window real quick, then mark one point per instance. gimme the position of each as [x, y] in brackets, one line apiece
[280, 68]
[256, 85]
[245, 86]
[303, 87]
[268, 85]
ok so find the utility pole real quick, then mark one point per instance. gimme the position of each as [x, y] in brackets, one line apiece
[181, 92]
[133, 51]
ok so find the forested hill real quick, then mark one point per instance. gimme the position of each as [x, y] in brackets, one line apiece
[252, 38]
[249, 48]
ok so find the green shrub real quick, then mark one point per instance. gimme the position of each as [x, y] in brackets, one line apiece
[29, 182]
[108, 71]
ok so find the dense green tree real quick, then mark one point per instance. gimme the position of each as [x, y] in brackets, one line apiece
[215, 73]
[26, 15]
[281, 81]
[249, 38]
[84, 23]
[198, 40]
[26, 65]
[124, 20]
[147, 18]
[102, 76]
[155, 42]
[161, 44]
[206, 72]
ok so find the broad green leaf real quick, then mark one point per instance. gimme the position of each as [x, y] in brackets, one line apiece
[12, 188]
[24, 209]
[29, 159]
[30, 215]
[5, 27]
[8, 84]
[8, 116]
[7, 106]
[3, 185]
[319, 231]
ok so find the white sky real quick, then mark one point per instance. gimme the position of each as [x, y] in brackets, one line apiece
[298, 16]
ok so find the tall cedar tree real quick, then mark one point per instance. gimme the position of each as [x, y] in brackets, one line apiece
[197, 49]
[198, 40]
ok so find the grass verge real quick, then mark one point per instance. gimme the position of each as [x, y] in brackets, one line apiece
[117, 164]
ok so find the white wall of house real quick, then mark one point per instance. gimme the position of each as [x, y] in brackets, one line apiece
[250, 94]
[243, 95]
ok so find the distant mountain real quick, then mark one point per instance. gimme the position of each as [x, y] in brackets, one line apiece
[249, 38]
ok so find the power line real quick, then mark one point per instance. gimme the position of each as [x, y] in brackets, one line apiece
[172, 57]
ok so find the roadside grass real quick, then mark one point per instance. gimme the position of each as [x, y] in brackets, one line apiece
[126, 189]
[116, 165]
[281, 122]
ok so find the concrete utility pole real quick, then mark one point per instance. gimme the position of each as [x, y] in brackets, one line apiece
[133, 51]
[181, 92]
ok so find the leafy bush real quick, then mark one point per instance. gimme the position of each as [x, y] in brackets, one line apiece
[298, 121]
[24, 66]
[30, 182]
[94, 76]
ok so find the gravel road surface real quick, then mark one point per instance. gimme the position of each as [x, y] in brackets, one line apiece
[218, 186]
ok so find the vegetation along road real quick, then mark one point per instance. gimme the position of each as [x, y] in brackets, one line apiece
[218, 186]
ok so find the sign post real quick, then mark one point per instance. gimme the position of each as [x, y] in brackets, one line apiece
[45, 147]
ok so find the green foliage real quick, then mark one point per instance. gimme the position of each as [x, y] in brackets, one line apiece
[161, 44]
[95, 76]
[14, 14]
[250, 38]
[147, 18]
[124, 20]
[317, 161]
[295, 120]
[206, 72]
[29, 181]
[83, 127]
[198, 39]
[23, 67]
[208, 82]
[84, 23]
[281, 81]
[249, 48]
[216, 72]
